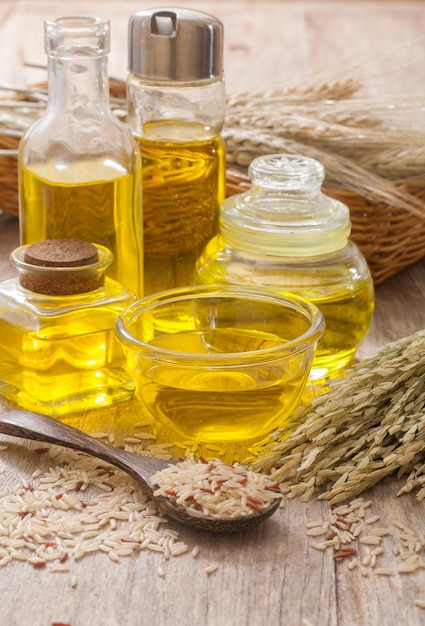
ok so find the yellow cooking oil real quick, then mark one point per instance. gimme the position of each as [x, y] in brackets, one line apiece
[183, 181]
[222, 403]
[348, 315]
[93, 200]
[64, 361]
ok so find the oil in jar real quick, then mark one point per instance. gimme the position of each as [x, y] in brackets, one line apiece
[285, 234]
[183, 180]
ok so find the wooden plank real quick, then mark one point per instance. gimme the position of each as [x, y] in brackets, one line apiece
[270, 575]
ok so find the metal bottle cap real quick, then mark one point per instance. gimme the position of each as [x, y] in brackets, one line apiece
[175, 44]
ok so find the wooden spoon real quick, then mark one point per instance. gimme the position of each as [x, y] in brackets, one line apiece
[42, 428]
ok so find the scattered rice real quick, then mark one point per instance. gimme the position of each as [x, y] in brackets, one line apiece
[356, 551]
[369, 540]
[77, 508]
[99, 435]
[211, 568]
[143, 436]
[214, 489]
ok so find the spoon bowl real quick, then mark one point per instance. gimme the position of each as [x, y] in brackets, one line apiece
[35, 426]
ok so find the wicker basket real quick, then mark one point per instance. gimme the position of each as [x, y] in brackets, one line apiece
[390, 238]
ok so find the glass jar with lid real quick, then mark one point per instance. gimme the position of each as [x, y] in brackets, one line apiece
[284, 233]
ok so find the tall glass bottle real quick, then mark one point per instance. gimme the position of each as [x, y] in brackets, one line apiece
[285, 234]
[176, 108]
[79, 167]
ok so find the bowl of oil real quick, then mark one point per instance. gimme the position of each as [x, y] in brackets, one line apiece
[216, 363]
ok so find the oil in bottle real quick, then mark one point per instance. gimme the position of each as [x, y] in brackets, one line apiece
[79, 166]
[183, 186]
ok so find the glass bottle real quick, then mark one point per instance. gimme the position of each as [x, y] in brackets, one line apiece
[176, 106]
[59, 350]
[79, 167]
[286, 234]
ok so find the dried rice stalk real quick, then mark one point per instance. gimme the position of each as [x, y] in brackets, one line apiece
[369, 143]
[243, 146]
[370, 425]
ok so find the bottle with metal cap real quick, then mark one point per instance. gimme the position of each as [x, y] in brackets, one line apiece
[176, 105]
[286, 234]
[79, 166]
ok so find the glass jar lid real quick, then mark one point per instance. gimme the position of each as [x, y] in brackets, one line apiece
[285, 212]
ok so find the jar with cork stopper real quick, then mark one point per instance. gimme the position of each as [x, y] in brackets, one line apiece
[284, 233]
[59, 351]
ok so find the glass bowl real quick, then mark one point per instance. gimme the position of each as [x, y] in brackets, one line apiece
[217, 363]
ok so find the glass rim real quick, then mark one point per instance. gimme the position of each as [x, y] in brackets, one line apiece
[285, 348]
[77, 21]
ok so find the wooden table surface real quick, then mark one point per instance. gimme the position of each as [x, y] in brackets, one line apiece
[269, 575]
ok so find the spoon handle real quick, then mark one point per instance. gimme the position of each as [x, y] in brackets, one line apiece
[39, 427]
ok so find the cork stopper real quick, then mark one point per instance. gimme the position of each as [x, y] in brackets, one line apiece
[61, 267]
[61, 253]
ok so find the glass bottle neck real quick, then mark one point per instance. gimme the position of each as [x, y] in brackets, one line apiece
[78, 84]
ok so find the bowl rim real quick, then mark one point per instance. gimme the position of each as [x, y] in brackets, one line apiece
[300, 344]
